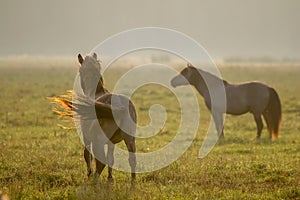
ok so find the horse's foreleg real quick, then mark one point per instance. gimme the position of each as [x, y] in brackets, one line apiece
[259, 124]
[99, 154]
[110, 159]
[88, 160]
[132, 157]
[219, 123]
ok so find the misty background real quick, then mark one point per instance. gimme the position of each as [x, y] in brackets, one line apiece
[230, 28]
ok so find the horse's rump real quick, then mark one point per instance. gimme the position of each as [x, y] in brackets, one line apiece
[120, 104]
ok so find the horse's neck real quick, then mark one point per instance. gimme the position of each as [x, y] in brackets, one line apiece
[201, 88]
[203, 80]
[94, 93]
[199, 83]
[100, 90]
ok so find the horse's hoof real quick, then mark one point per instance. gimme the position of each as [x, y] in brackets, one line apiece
[133, 180]
[96, 176]
[89, 173]
[133, 184]
[110, 179]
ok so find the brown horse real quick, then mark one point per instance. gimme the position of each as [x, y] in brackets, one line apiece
[100, 123]
[254, 97]
[110, 132]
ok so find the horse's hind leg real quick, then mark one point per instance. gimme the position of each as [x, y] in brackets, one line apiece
[110, 159]
[88, 160]
[268, 119]
[259, 124]
[130, 144]
[99, 168]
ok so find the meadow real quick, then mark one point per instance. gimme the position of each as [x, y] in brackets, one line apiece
[41, 160]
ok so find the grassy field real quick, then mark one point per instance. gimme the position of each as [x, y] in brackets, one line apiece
[40, 160]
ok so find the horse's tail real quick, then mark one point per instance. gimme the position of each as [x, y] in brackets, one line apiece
[66, 107]
[64, 104]
[273, 114]
[83, 107]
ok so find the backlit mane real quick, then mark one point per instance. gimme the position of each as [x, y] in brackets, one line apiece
[210, 76]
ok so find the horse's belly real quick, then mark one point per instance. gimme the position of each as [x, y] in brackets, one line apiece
[108, 127]
[237, 105]
[237, 112]
[91, 128]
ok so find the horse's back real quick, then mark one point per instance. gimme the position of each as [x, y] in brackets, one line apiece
[255, 86]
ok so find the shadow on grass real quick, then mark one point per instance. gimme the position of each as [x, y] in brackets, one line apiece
[239, 140]
[103, 189]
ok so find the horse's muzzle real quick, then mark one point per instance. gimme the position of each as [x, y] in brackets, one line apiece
[173, 83]
[179, 80]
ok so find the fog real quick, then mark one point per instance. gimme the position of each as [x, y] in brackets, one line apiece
[228, 28]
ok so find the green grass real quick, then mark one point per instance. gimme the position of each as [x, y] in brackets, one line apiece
[39, 160]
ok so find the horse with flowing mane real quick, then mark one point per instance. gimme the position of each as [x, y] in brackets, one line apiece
[254, 97]
[102, 120]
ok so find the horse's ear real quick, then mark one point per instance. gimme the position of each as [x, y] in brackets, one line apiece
[95, 56]
[80, 59]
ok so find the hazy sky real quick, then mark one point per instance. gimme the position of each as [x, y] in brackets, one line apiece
[224, 27]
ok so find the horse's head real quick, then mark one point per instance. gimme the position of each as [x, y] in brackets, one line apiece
[185, 77]
[90, 73]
